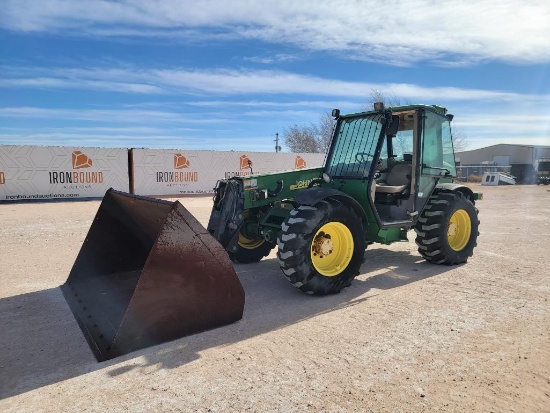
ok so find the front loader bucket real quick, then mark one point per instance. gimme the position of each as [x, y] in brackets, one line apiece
[148, 272]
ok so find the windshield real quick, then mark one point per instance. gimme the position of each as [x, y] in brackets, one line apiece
[354, 146]
[544, 166]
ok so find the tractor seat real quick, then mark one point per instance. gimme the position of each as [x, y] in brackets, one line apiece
[398, 180]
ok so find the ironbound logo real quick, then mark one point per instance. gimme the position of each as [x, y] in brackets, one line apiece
[79, 161]
[2, 178]
[180, 162]
[245, 165]
[299, 163]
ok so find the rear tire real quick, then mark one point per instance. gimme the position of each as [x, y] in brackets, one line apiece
[321, 247]
[446, 232]
[249, 250]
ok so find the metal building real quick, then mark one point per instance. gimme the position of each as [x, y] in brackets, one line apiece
[504, 155]
[516, 160]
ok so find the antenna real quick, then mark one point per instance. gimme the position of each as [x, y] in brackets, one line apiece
[277, 147]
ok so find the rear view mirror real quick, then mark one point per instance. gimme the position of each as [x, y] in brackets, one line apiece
[393, 127]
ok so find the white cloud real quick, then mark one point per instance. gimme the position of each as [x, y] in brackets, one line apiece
[161, 140]
[111, 115]
[397, 32]
[226, 82]
[517, 121]
[275, 58]
[319, 104]
[57, 83]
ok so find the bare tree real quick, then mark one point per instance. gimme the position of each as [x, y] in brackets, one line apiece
[376, 95]
[460, 140]
[325, 130]
[313, 138]
[301, 139]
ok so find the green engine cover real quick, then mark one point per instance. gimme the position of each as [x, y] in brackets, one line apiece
[262, 190]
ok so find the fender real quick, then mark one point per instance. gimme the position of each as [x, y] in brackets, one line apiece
[311, 196]
[468, 193]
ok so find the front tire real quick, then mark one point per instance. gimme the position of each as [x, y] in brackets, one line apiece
[447, 231]
[321, 247]
[250, 250]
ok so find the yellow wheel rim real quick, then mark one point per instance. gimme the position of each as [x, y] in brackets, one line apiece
[332, 249]
[249, 244]
[459, 230]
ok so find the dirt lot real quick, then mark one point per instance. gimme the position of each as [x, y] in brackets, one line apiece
[407, 336]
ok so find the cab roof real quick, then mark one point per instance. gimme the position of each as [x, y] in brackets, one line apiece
[396, 109]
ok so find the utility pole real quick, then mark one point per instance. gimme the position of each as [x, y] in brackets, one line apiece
[277, 147]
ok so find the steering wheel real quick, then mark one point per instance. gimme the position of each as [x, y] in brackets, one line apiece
[379, 167]
[363, 157]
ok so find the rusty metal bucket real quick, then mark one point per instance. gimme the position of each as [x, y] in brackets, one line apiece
[148, 272]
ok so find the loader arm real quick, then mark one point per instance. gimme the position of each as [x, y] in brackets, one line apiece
[255, 206]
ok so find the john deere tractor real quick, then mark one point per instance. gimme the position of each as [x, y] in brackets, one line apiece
[386, 172]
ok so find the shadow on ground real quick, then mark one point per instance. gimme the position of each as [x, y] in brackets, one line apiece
[41, 342]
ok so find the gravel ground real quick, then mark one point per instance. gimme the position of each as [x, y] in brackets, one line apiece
[407, 336]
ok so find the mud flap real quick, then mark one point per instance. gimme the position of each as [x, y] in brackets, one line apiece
[148, 272]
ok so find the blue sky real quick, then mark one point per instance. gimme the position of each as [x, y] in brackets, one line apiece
[228, 75]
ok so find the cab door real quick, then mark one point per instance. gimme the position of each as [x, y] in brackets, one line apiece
[437, 158]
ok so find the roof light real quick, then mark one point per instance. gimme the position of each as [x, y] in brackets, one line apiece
[379, 106]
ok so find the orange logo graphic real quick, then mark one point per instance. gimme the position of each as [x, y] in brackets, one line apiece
[300, 162]
[180, 161]
[2, 178]
[80, 160]
[246, 163]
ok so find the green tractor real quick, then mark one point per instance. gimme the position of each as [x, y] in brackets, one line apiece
[387, 171]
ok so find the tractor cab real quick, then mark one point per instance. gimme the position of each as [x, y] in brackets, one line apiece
[390, 160]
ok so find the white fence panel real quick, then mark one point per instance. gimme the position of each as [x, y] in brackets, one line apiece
[49, 172]
[177, 172]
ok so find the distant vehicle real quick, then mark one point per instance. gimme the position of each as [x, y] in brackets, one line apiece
[498, 178]
[524, 173]
[543, 171]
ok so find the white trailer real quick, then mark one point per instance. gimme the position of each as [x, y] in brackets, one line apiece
[497, 178]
